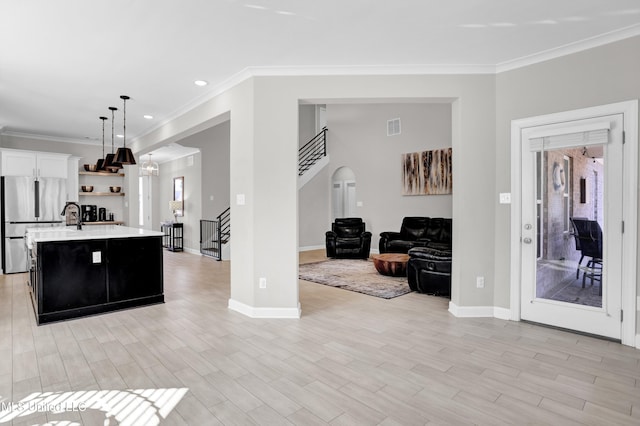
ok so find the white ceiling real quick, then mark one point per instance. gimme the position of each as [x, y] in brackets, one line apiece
[63, 62]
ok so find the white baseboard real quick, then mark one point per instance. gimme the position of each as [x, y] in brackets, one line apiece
[309, 248]
[192, 251]
[637, 341]
[479, 311]
[252, 312]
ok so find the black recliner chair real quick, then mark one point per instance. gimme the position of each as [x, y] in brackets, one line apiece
[429, 271]
[348, 239]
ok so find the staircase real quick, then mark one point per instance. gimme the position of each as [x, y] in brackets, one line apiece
[215, 235]
[312, 157]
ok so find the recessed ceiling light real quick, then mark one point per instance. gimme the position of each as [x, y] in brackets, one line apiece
[285, 12]
[200, 83]
[119, 136]
[255, 6]
[148, 117]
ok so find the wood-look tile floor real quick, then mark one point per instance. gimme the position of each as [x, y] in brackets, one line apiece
[351, 359]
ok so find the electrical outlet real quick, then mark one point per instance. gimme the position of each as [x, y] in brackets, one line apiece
[480, 282]
[262, 282]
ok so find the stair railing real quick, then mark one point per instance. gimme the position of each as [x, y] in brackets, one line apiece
[312, 151]
[215, 233]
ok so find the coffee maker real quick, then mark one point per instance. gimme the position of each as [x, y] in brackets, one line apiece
[71, 212]
[89, 213]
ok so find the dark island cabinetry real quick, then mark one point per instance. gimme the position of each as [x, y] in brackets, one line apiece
[75, 278]
[135, 268]
[71, 279]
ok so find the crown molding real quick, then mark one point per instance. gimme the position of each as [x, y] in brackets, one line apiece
[568, 49]
[35, 136]
[372, 70]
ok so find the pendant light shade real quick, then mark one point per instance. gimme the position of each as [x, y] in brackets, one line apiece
[124, 154]
[109, 161]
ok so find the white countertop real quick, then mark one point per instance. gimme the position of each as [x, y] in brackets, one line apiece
[88, 232]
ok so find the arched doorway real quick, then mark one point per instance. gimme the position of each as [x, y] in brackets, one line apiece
[343, 193]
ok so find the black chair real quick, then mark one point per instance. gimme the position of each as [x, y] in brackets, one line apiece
[417, 232]
[575, 233]
[590, 242]
[429, 271]
[348, 239]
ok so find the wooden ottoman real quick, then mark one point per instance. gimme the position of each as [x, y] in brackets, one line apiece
[392, 264]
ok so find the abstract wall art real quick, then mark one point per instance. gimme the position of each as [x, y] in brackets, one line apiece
[427, 172]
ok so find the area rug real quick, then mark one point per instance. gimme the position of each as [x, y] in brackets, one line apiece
[354, 275]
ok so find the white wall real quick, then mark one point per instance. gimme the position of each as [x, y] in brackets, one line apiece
[357, 139]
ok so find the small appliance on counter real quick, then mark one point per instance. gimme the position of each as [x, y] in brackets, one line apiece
[89, 213]
[102, 214]
[71, 213]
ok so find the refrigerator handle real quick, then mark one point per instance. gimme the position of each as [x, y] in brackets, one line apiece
[37, 195]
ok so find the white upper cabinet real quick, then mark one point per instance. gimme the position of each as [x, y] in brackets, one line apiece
[52, 165]
[36, 164]
[18, 163]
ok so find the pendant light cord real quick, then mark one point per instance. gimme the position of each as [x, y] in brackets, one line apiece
[103, 118]
[113, 116]
[124, 119]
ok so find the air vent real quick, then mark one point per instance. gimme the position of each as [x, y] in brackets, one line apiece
[393, 127]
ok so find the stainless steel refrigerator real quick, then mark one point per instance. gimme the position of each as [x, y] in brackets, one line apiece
[27, 203]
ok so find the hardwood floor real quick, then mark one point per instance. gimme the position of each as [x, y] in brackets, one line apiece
[351, 359]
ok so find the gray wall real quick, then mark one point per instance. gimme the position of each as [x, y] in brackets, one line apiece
[598, 76]
[207, 177]
[263, 156]
[307, 123]
[357, 138]
[214, 152]
[163, 193]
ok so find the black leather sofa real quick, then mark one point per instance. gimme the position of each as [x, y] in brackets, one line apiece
[348, 239]
[429, 271]
[417, 232]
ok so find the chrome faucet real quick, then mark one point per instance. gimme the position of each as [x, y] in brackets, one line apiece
[77, 213]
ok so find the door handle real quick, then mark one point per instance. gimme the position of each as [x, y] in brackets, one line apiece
[526, 240]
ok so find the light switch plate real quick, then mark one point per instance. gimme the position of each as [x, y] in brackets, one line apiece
[97, 257]
[240, 199]
[505, 198]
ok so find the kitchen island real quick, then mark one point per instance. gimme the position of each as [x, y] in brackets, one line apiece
[98, 269]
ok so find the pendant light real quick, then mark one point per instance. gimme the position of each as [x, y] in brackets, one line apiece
[100, 163]
[124, 154]
[110, 158]
[149, 168]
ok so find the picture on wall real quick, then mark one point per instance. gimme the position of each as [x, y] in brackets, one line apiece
[427, 172]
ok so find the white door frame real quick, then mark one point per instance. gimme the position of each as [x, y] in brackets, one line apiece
[629, 109]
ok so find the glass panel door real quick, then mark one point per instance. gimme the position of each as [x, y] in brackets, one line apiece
[570, 225]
